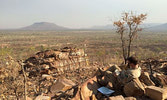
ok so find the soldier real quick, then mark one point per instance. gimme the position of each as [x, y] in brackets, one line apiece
[134, 71]
[120, 77]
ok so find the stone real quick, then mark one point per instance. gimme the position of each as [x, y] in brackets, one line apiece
[156, 93]
[77, 95]
[45, 71]
[134, 88]
[70, 92]
[62, 85]
[145, 78]
[45, 66]
[119, 97]
[41, 97]
[102, 81]
[93, 97]
[63, 55]
[110, 85]
[77, 52]
[27, 98]
[48, 77]
[48, 53]
[162, 79]
[130, 98]
[87, 90]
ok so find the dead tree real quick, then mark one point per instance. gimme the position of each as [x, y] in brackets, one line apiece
[25, 79]
[128, 28]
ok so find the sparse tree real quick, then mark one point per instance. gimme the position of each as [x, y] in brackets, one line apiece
[128, 28]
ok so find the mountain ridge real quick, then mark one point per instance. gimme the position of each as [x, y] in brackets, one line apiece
[37, 26]
[44, 26]
[159, 28]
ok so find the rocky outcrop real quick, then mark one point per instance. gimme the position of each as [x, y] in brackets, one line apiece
[55, 61]
[156, 93]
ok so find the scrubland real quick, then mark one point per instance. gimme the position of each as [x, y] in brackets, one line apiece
[101, 46]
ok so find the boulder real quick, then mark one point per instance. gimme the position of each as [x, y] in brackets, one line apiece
[156, 93]
[119, 97]
[41, 97]
[87, 90]
[162, 78]
[130, 98]
[62, 85]
[145, 78]
[134, 88]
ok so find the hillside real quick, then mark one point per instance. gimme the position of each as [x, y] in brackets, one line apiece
[105, 27]
[159, 28]
[44, 26]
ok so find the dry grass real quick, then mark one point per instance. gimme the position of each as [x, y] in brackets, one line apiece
[101, 46]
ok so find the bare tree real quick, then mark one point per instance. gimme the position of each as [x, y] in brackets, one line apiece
[128, 28]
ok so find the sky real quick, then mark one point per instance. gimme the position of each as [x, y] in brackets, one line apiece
[77, 13]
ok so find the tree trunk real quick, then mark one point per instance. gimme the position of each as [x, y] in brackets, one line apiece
[25, 81]
[123, 48]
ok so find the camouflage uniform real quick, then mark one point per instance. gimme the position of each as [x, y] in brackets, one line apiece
[124, 77]
[128, 75]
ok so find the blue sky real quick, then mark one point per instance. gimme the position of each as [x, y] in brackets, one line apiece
[76, 13]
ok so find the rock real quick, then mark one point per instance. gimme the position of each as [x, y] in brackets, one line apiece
[41, 97]
[29, 83]
[77, 52]
[63, 55]
[119, 97]
[99, 96]
[102, 81]
[134, 88]
[62, 85]
[145, 78]
[93, 97]
[27, 98]
[87, 90]
[70, 92]
[77, 95]
[48, 77]
[130, 98]
[45, 66]
[162, 79]
[156, 93]
[110, 85]
[45, 71]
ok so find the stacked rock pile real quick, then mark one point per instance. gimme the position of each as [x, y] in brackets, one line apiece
[56, 62]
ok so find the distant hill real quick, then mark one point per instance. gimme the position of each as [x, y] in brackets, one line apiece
[43, 26]
[105, 27]
[152, 27]
[148, 25]
[111, 27]
[159, 28]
